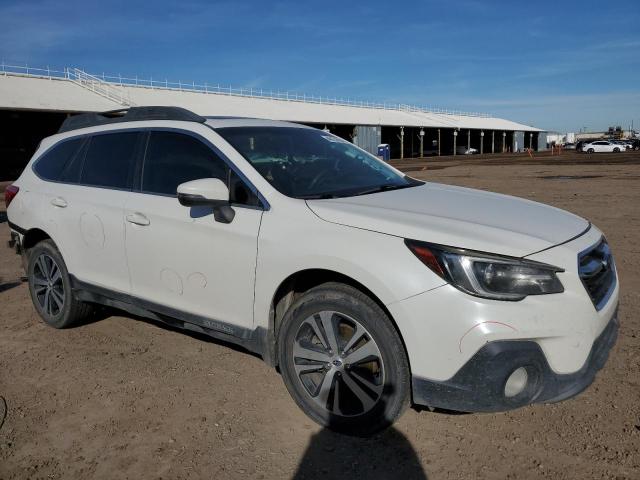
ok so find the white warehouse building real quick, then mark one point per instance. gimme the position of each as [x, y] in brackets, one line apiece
[35, 101]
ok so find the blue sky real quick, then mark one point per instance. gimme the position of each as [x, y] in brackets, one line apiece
[557, 65]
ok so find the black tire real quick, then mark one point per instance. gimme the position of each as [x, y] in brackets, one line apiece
[616, 150]
[50, 287]
[590, 150]
[347, 307]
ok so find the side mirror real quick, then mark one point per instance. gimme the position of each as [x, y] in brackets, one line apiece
[207, 192]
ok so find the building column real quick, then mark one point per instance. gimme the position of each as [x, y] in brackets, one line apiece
[530, 140]
[481, 142]
[438, 142]
[504, 142]
[421, 142]
[468, 139]
[401, 137]
[493, 141]
[455, 136]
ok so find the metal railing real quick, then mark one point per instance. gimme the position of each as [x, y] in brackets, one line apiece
[217, 89]
[99, 86]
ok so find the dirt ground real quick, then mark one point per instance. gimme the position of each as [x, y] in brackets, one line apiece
[125, 398]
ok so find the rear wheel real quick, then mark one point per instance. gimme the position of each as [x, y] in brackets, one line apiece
[50, 287]
[616, 150]
[343, 361]
[590, 150]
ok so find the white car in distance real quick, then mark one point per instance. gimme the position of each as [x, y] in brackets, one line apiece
[601, 146]
[369, 290]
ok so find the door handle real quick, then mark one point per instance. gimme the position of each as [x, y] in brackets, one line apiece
[138, 219]
[59, 202]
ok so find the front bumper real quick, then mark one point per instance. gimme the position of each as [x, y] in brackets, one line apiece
[479, 385]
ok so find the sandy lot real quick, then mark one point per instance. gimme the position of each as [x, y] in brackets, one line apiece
[125, 398]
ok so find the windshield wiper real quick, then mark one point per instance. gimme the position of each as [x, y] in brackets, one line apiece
[383, 188]
[320, 196]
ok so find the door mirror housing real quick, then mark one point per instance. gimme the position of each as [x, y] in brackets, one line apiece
[210, 192]
[204, 191]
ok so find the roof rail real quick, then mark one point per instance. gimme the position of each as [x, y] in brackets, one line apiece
[132, 114]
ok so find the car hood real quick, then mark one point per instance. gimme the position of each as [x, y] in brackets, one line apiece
[456, 216]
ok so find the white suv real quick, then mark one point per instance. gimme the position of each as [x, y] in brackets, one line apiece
[369, 290]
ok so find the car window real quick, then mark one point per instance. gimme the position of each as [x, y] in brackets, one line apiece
[310, 163]
[109, 160]
[51, 165]
[173, 158]
[73, 168]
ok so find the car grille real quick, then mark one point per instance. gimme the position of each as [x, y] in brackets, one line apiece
[598, 272]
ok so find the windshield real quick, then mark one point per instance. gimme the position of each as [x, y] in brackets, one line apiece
[310, 163]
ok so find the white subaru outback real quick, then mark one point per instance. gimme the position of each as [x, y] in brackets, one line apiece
[369, 290]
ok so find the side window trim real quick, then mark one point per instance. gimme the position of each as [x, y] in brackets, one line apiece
[140, 156]
[264, 204]
[84, 147]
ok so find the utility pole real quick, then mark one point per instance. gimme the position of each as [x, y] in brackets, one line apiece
[438, 142]
[421, 142]
[481, 142]
[504, 141]
[493, 141]
[401, 137]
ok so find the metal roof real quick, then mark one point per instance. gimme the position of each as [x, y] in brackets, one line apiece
[76, 94]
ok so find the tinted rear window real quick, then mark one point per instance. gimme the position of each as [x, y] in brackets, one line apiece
[51, 165]
[109, 160]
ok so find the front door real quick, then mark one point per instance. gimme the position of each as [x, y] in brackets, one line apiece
[180, 257]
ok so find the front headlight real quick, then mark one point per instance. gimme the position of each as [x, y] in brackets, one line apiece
[486, 275]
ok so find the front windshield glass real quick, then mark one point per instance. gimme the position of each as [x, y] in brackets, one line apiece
[310, 163]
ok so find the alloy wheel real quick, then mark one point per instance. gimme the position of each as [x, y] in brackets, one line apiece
[48, 286]
[338, 363]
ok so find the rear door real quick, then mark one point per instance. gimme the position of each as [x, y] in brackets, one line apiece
[86, 207]
[180, 257]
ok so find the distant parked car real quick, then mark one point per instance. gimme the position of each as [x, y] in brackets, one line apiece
[466, 151]
[624, 144]
[602, 146]
[569, 146]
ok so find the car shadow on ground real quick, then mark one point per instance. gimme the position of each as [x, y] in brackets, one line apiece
[385, 455]
[8, 286]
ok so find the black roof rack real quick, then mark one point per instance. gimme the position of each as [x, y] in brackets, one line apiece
[131, 114]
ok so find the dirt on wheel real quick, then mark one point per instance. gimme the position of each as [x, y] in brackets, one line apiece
[122, 397]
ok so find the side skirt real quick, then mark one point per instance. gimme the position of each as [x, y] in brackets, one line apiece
[253, 340]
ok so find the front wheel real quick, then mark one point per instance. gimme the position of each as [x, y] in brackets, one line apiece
[343, 361]
[590, 150]
[616, 150]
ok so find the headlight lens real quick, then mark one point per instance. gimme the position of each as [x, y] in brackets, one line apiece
[486, 275]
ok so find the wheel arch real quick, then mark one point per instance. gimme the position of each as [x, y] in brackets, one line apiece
[295, 285]
[33, 236]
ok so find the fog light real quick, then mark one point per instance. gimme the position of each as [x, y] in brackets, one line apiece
[516, 382]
